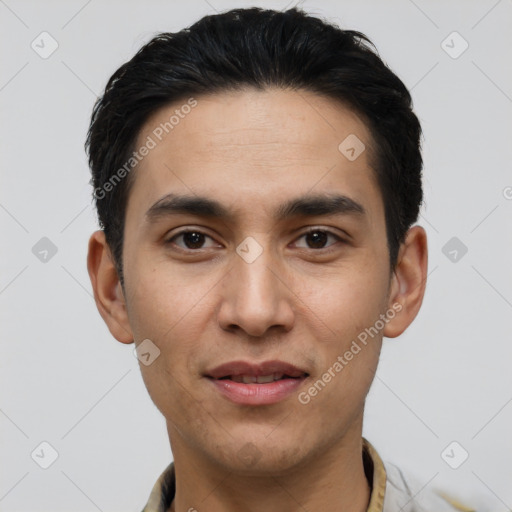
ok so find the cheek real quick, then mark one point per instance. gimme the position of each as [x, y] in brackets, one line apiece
[349, 304]
[347, 301]
[170, 320]
[350, 350]
[171, 310]
[163, 299]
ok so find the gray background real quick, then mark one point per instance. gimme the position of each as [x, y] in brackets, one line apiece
[67, 382]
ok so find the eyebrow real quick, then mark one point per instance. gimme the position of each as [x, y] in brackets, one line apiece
[307, 206]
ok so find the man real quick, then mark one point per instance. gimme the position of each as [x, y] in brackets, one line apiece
[257, 177]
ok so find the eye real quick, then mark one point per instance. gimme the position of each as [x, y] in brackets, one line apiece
[191, 238]
[317, 238]
[194, 239]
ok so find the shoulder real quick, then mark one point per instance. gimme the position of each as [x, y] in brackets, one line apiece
[405, 493]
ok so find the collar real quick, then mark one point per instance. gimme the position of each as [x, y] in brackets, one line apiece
[164, 489]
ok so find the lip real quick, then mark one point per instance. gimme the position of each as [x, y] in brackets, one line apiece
[256, 393]
[255, 369]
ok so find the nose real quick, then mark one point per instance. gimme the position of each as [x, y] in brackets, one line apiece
[256, 297]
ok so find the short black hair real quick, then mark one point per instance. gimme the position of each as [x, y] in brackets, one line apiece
[258, 48]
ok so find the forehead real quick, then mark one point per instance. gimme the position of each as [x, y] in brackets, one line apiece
[251, 148]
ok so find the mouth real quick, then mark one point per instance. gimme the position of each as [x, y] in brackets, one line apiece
[260, 379]
[264, 383]
[261, 373]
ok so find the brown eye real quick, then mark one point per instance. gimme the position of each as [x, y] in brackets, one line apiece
[191, 239]
[317, 238]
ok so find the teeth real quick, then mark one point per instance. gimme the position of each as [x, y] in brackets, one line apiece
[262, 379]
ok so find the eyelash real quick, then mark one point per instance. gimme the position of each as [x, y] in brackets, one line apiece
[324, 250]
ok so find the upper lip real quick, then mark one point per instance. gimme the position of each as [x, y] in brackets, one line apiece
[255, 369]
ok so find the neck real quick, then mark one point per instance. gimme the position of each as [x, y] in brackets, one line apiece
[331, 481]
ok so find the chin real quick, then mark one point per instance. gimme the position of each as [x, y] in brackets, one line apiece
[257, 458]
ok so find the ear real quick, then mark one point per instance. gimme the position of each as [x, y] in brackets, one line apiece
[108, 292]
[408, 282]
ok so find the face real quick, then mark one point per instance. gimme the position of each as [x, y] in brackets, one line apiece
[274, 266]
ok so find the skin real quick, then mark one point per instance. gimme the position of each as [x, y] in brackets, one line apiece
[299, 301]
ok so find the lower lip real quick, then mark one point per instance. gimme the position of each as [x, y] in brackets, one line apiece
[257, 394]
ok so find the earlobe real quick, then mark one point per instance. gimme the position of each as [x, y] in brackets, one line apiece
[108, 292]
[408, 282]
